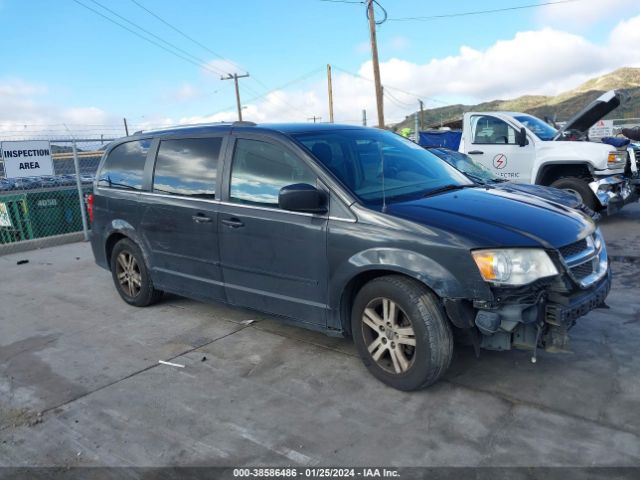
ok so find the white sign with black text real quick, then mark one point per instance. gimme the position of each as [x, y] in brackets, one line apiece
[30, 158]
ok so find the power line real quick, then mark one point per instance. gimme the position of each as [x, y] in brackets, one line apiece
[205, 47]
[137, 34]
[185, 35]
[478, 12]
[171, 45]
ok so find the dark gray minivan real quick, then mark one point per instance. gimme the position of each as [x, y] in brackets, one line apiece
[347, 230]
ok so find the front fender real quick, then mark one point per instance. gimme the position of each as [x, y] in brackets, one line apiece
[412, 264]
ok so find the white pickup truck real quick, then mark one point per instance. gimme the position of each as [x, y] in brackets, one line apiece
[522, 148]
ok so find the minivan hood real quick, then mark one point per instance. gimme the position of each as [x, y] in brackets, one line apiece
[596, 110]
[492, 217]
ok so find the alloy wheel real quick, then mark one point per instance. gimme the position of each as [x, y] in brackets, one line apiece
[389, 335]
[128, 274]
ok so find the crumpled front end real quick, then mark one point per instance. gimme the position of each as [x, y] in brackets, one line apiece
[540, 315]
[613, 192]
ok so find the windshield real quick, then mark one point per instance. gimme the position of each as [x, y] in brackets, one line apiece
[543, 130]
[466, 164]
[358, 158]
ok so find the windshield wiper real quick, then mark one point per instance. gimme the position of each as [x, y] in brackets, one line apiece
[446, 188]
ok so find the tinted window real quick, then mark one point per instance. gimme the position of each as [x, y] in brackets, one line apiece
[492, 130]
[259, 170]
[376, 164]
[124, 166]
[187, 167]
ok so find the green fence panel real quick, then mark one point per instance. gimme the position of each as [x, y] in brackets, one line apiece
[54, 212]
[14, 220]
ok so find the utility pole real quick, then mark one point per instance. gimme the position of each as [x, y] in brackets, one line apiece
[314, 118]
[126, 127]
[330, 93]
[416, 128]
[421, 115]
[364, 117]
[235, 78]
[376, 65]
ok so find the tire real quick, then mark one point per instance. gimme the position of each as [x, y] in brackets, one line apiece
[578, 187]
[416, 309]
[132, 280]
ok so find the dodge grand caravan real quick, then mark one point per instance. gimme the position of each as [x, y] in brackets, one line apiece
[348, 230]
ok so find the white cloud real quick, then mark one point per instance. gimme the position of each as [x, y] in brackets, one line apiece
[582, 14]
[24, 112]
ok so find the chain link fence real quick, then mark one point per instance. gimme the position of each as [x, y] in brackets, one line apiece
[43, 197]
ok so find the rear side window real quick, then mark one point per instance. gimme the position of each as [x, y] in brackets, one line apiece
[124, 166]
[187, 167]
[260, 169]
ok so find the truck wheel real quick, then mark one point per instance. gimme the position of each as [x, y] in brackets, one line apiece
[579, 188]
[401, 332]
[131, 276]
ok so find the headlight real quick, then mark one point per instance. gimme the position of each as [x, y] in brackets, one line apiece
[514, 266]
[617, 157]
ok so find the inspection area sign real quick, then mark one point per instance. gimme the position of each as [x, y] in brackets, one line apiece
[29, 158]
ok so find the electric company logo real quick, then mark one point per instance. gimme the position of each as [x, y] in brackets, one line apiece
[499, 161]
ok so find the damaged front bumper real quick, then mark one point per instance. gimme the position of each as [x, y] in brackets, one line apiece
[614, 192]
[540, 314]
[544, 323]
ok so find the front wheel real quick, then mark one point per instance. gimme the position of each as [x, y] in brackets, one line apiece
[578, 188]
[401, 332]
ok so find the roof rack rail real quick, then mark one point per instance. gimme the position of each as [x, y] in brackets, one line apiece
[243, 123]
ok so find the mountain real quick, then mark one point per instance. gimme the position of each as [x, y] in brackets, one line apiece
[560, 107]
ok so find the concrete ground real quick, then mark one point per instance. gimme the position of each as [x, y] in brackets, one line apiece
[80, 383]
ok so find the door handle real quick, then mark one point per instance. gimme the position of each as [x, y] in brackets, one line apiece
[233, 222]
[200, 218]
[475, 152]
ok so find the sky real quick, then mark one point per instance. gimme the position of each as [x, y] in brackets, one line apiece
[64, 65]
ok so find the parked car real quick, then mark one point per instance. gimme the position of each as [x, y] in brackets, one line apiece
[49, 181]
[347, 230]
[5, 185]
[25, 183]
[483, 176]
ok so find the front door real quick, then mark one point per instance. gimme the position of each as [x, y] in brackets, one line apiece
[273, 260]
[494, 144]
[180, 217]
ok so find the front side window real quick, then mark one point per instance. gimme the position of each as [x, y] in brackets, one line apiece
[187, 167]
[260, 169]
[124, 167]
[489, 130]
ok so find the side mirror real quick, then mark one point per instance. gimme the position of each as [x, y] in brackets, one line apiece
[522, 137]
[302, 197]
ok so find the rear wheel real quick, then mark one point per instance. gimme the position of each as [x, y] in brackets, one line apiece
[579, 188]
[401, 332]
[131, 276]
